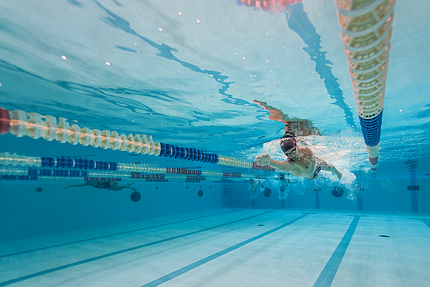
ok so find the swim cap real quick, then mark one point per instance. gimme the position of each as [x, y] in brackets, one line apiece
[287, 143]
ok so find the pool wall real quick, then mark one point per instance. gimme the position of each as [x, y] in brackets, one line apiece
[28, 213]
[386, 192]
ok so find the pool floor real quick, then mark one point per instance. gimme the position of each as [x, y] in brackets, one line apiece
[227, 247]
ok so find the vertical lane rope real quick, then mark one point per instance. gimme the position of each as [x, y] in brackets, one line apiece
[366, 29]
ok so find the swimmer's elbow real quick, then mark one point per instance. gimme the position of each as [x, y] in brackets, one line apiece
[327, 167]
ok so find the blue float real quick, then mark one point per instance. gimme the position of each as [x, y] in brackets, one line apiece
[371, 129]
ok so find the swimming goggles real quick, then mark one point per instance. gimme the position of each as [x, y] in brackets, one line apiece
[293, 150]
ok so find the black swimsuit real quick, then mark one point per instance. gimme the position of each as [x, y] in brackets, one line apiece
[103, 185]
[317, 168]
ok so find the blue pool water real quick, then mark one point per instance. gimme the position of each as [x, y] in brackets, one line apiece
[189, 73]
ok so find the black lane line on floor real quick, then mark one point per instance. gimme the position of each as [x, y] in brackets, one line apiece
[327, 275]
[196, 264]
[426, 222]
[62, 267]
[114, 234]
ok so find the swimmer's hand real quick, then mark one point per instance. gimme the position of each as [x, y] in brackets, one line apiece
[262, 159]
[338, 174]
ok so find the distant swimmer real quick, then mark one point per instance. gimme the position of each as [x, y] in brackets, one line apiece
[301, 161]
[109, 185]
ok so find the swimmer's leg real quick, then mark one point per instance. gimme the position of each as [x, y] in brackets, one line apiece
[128, 186]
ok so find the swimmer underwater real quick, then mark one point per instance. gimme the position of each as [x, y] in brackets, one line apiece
[301, 161]
[109, 185]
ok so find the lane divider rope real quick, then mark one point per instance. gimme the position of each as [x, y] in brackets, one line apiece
[366, 29]
[19, 167]
[33, 125]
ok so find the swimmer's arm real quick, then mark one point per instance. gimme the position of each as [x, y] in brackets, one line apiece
[287, 182]
[275, 115]
[279, 165]
[328, 167]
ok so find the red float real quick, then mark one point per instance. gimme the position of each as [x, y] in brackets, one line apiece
[4, 121]
[269, 5]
